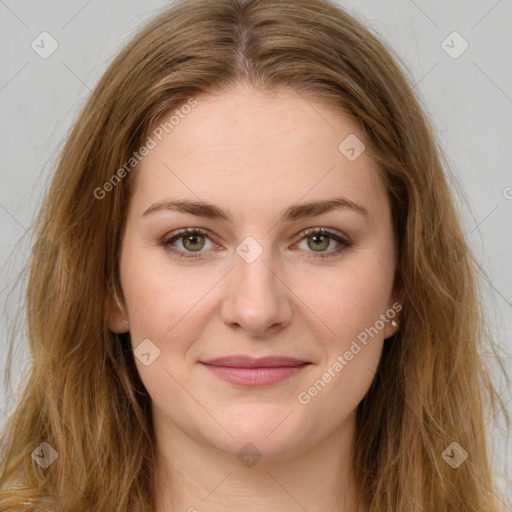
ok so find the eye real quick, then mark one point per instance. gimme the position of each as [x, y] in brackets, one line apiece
[319, 239]
[192, 240]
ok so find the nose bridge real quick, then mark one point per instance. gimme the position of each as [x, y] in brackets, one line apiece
[253, 267]
[257, 299]
[253, 270]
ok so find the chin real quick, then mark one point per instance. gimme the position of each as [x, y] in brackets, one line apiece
[264, 433]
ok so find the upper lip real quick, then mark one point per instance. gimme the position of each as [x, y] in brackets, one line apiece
[252, 362]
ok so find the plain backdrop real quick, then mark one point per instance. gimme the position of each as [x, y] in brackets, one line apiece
[467, 94]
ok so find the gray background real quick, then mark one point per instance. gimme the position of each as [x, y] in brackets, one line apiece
[469, 99]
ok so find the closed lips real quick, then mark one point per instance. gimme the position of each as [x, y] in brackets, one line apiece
[249, 362]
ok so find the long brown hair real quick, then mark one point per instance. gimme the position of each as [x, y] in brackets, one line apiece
[83, 395]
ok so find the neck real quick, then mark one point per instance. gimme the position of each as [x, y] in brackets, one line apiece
[194, 477]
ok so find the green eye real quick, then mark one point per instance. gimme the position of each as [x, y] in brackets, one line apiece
[318, 240]
[193, 240]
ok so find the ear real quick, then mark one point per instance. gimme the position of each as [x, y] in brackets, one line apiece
[117, 321]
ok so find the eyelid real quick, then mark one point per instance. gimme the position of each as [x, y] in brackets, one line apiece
[180, 233]
[324, 231]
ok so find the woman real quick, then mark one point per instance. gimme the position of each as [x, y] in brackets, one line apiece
[250, 288]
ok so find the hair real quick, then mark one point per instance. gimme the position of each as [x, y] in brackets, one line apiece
[82, 393]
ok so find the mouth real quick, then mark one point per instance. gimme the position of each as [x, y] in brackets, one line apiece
[254, 372]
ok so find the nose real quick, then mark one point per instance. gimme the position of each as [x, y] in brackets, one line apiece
[257, 299]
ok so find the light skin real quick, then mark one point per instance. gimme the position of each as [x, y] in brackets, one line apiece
[254, 155]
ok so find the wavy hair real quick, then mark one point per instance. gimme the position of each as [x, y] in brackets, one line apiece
[82, 394]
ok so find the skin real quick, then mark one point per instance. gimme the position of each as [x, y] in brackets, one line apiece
[254, 154]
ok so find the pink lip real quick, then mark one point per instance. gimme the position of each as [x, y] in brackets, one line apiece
[253, 372]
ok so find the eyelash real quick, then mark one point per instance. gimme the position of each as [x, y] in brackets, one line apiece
[168, 241]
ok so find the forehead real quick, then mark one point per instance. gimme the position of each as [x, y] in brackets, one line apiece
[259, 148]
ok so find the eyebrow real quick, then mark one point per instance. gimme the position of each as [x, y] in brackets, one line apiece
[295, 212]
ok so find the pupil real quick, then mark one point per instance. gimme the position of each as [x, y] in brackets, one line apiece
[319, 240]
[192, 241]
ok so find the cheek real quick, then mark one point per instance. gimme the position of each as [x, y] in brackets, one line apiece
[348, 313]
[170, 306]
[161, 297]
[353, 305]
[166, 310]
[346, 301]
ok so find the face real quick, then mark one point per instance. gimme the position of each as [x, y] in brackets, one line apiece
[258, 274]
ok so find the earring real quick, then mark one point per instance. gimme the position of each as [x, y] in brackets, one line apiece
[394, 324]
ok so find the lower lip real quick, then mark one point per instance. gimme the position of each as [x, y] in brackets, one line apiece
[253, 377]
